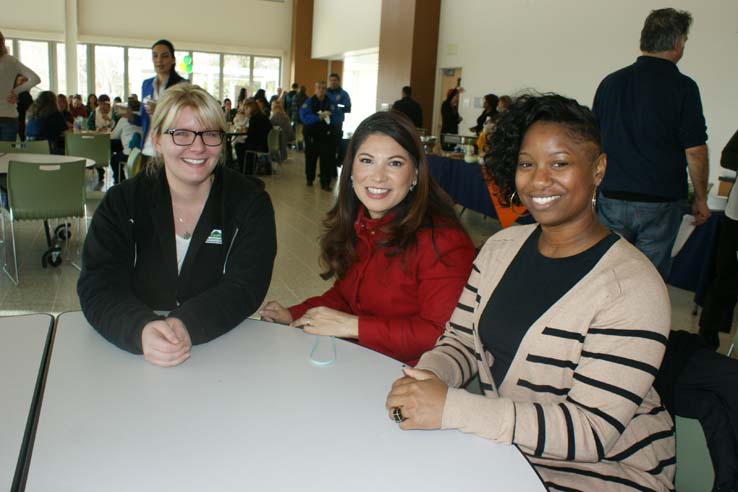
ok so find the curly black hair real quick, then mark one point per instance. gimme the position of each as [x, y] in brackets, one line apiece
[501, 160]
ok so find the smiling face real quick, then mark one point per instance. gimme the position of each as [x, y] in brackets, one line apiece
[187, 165]
[163, 60]
[557, 174]
[382, 174]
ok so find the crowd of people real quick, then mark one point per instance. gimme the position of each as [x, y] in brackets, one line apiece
[564, 322]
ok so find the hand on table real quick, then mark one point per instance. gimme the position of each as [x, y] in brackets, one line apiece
[701, 212]
[330, 322]
[420, 395]
[275, 313]
[166, 342]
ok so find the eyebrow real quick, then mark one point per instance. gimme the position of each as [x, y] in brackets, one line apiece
[550, 153]
[398, 156]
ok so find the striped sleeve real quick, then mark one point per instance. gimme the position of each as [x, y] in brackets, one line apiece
[583, 421]
[453, 358]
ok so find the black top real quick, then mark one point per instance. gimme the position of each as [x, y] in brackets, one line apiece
[648, 113]
[449, 118]
[482, 118]
[130, 259]
[410, 108]
[531, 284]
[258, 134]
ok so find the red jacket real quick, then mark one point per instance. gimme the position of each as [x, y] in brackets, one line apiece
[402, 301]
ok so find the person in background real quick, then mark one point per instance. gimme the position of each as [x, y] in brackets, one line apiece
[257, 129]
[653, 132]
[276, 97]
[187, 237]
[450, 117]
[228, 111]
[46, 122]
[297, 101]
[129, 134]
[63, 105]
[162, 56]
[341, 102]
[133, 97]
[504, 103]
[101, 120]
[10, 67]
[25, 101]
[92, 103]
[564, 321]
[315, 115]
[280, 120]
[287, 104]
[409, 107]
[490, 111]
[118, 110]
[78, 109]
[261, 100]
[393, 243]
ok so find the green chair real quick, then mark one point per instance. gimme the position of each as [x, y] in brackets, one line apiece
[694, 472]
[94, 146]
[40, 192]
[133, 164]
[273, 138]
[27, 147]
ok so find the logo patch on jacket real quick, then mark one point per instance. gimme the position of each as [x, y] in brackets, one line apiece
[215, 237]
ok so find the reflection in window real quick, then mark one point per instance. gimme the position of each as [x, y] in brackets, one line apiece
[206, 72]
[35, 55]
[140, 68]
[109, 63]
[266, 75]
[236, 70]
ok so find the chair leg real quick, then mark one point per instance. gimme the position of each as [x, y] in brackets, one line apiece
[15, 279]
[80, 240]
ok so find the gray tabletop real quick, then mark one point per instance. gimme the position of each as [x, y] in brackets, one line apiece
[248, 411]
[22, 348]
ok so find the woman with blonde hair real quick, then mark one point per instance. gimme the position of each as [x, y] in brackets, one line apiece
[280, 120]
[188, 237]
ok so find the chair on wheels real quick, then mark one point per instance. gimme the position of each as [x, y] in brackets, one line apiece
[27, 147]
[133, 164]
[40, 192]
[94, 146]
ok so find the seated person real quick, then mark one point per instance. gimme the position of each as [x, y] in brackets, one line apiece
[100, 119]
[78, 109]
[258, 128]
[129, 134]
[46, 122]
[394, 244]
[564, 321]
[188, 237]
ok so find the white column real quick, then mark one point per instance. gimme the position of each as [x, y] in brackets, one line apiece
[70, 45]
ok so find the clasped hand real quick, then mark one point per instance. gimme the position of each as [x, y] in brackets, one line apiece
[421, 396]
[166, 342]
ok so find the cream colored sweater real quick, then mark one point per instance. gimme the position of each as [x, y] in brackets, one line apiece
[578, 397]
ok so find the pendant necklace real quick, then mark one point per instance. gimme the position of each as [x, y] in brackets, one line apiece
[187, 234]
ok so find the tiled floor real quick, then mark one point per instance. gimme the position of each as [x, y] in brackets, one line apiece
[299, 211]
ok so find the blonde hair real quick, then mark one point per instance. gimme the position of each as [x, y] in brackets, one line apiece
[277, 107]
[177, 97]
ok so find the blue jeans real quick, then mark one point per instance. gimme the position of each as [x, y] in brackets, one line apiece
[650, 227]
[8, 130]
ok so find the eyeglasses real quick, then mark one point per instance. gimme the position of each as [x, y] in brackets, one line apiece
[211, 138]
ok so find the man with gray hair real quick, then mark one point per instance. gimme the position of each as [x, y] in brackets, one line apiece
[653, 132]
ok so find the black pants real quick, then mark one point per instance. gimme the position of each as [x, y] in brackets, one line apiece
[319, 144]
[720, 300]
[707, 390]
[337, 141]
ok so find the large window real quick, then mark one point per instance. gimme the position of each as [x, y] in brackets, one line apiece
[206, 72]
[9, 45]
[82, 71]
[61, 68]
[109, 63]
[35, 55]
[266, 75]
[140, 68]
[236, 74]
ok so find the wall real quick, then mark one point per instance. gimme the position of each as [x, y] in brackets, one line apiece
[237, 26]
[568, 46]
[340, 26]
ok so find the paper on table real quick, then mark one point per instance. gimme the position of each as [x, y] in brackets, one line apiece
[685, 230]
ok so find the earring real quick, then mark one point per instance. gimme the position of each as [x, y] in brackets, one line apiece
[413, 184]
[525, 213]
[594, 200]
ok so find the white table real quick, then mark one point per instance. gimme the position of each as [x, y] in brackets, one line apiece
[5, 158]
[247, 411]
[23, 342]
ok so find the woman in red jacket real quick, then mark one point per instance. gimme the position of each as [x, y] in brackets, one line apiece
[394, 244]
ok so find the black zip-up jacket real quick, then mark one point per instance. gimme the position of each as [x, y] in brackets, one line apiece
[130, 259]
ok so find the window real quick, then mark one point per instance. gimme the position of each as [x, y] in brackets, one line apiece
[61, 68]
[360, 77]
[236, 73]
[140, 68]
[82, 71]
[35, 55]
[9, 45]
[206, 72]
[109, 63]
[266, 75]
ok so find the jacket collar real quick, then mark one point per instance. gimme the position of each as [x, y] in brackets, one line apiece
[365, 225]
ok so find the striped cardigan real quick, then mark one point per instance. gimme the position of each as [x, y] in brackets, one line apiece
[578, 397]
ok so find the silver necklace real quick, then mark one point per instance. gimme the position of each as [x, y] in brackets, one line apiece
[187, 234]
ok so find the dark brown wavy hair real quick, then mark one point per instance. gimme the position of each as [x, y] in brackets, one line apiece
[426, 206]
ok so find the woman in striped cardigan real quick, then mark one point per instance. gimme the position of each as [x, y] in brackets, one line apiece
[564, 322]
